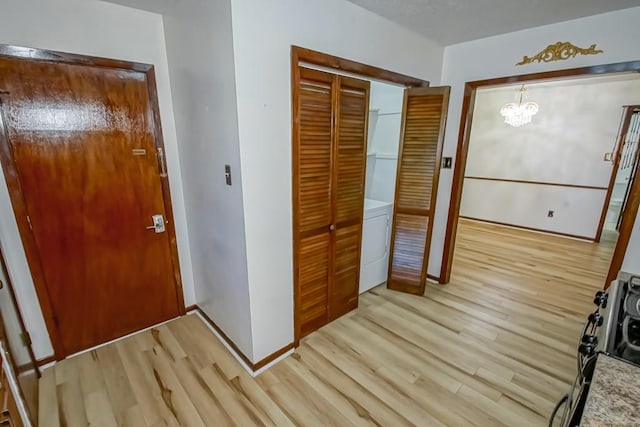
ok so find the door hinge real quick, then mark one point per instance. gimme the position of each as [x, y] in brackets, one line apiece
[29, 222]
[26, 339]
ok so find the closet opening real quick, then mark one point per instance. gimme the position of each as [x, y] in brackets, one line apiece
[366, 153]
[385, 121]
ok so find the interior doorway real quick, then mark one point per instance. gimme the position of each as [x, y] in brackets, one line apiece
[552, 175]
[558, 173]
[625, 162]
[471, 93]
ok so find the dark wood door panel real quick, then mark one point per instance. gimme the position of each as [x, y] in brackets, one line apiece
[313, 278]
[352, 108]
[408, 252]
[83, 143]
[423, 121]
[344, 289]
[329, 151]
[312, 199]
[419, 151]
[314, 151]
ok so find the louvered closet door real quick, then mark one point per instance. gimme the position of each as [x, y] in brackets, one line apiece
[312, 198]
[423, 120]
[352, 107]
[329, 150]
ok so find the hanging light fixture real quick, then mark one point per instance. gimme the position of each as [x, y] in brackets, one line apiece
[521, 113]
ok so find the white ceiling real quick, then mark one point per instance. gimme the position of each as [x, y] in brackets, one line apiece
[454, 21]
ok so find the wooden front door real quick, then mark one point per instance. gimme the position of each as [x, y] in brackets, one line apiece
[81, 150]
[423, 120]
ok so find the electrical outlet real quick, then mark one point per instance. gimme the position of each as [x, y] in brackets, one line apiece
[550, 214]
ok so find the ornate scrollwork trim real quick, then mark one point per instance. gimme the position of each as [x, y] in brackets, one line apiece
[559, 51]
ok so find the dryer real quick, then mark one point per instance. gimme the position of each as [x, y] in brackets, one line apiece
[376, 236]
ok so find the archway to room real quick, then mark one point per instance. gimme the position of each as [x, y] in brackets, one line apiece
[529, 293]
[564, 174]
[535, 230]
[612, 72]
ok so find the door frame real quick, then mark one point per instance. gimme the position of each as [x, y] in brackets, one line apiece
[464, 133]
[18, 201]
[341, 65]
[617, 152]
[18, 369]
[14, 301]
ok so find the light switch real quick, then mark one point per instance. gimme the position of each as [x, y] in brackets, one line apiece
[447, 162]
[227, 174]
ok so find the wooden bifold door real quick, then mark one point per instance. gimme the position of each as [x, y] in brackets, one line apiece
[329, 156]
[422, 134]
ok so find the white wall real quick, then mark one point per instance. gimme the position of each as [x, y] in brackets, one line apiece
[565, 144]
[200, 52]
[100, 29]
[616, 33]
[384, 140]
[576, 210]
[263, 34]
[383, 179]
[386, 100]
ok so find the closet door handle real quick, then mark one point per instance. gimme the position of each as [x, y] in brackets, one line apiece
[332, 227]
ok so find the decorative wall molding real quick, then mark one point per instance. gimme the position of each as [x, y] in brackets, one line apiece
[552, 184]
[560, 51]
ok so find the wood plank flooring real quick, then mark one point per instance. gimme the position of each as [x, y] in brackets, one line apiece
[495, 347]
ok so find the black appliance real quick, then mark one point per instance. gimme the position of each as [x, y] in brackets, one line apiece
[613, 328]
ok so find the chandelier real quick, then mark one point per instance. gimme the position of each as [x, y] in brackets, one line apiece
[521, 113]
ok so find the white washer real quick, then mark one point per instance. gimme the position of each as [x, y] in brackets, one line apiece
[376, 234]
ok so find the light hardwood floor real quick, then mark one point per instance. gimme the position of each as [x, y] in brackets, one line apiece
[495, 347]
